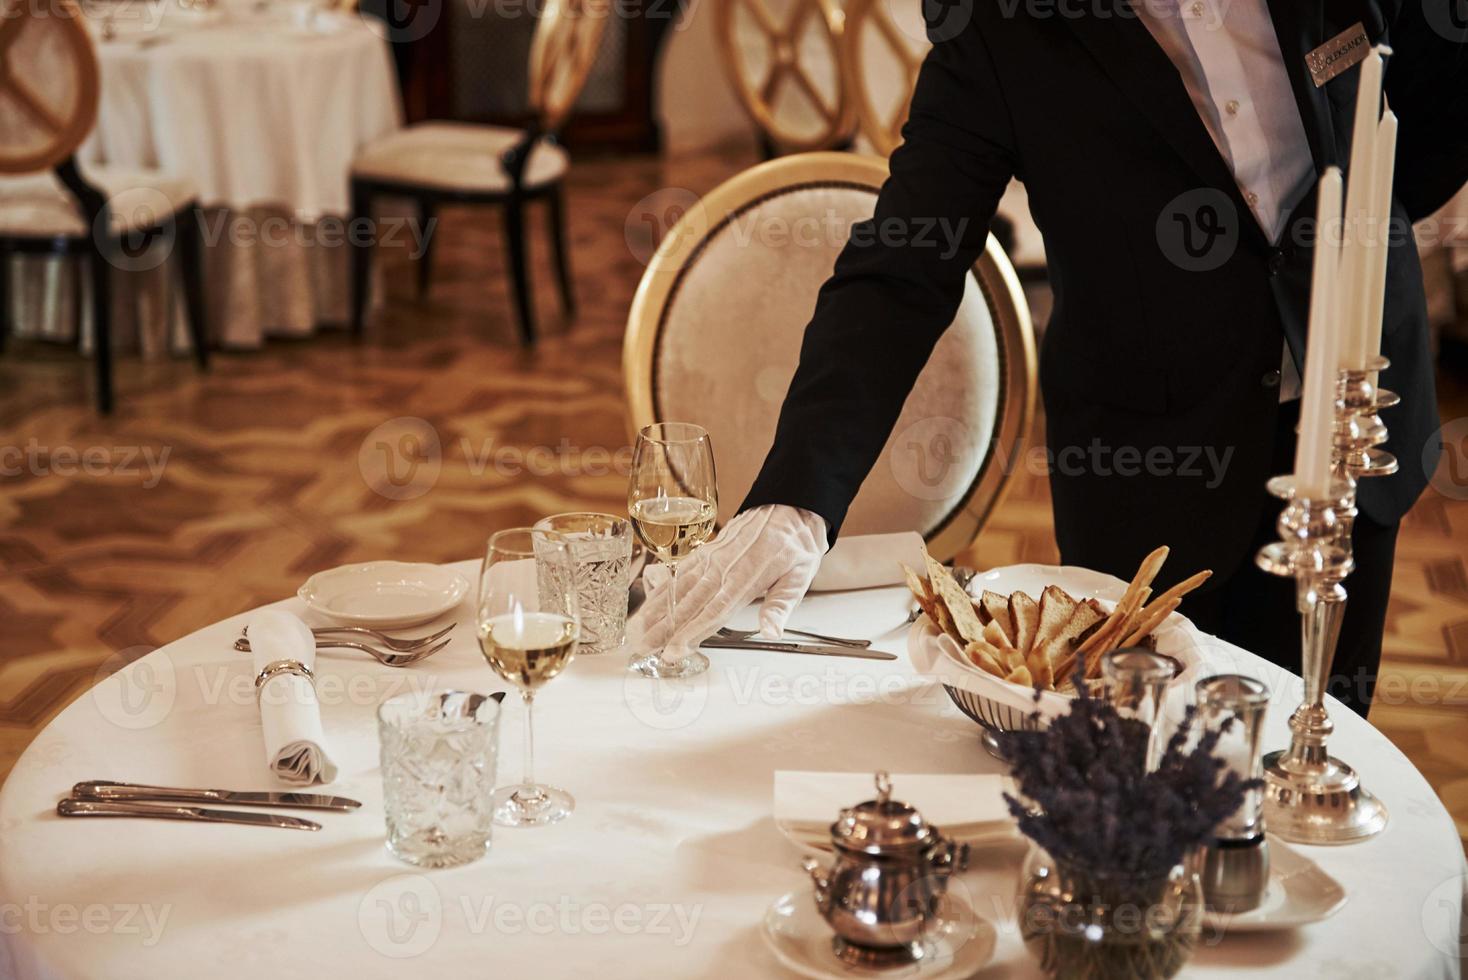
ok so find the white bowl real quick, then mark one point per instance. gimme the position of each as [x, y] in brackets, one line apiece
[384, 594]
[1000, 705]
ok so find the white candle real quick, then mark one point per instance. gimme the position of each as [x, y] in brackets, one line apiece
[1322, 349]
[1382, 172]
[1355, 257]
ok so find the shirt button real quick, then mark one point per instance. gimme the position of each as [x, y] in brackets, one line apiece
[1252, 198]
[1231, 107]
[1270, 379]
[1198, 8]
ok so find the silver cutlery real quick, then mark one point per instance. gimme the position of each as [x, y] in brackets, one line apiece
[963, 576]
[103, 789]
[775, 646]
[174, 811]
[399, 644]
[725, 633]
[388, 657]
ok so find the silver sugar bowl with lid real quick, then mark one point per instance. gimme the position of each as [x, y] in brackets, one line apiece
[885, 891]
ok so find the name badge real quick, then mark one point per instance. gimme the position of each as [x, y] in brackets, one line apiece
[1346, 49]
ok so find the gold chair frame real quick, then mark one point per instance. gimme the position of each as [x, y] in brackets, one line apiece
[66, 133]
[884, 133]
[996, 279]
[563, 51]
[758, 97]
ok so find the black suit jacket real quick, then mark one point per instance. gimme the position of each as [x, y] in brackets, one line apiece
[1170, 303]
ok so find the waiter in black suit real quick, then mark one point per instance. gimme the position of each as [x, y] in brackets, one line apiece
[1170, 150]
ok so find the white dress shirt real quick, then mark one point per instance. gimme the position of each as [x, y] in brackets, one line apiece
[1228, 56]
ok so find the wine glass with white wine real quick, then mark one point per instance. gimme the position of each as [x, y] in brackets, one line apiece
[528, 625]
[673, 500]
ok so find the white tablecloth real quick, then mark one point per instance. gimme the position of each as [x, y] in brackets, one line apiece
[264, 117]
[665, 869]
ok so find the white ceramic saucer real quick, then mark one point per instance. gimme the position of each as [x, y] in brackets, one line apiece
[384, 594]
[1299, 893]
[801, 941]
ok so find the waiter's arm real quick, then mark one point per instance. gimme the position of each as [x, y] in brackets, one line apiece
[1427, 87]
[891, 297]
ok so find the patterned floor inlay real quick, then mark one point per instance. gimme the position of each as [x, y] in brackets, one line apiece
[213, 494]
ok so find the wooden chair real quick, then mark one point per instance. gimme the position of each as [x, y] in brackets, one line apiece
[785, 66]
[438, 163]
[872, 27]
[702, 346]
[48, 206]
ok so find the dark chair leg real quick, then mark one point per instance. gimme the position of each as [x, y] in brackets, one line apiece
[102, 325]
[519, 268]
[428, 221]
[767, 146]
[7, 260]
[189, 233]
[556, 214]
[361, 239]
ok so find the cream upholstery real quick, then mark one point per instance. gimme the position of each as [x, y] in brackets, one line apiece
[730, 339]
[48, 88]
[38, 205]
[456, 156]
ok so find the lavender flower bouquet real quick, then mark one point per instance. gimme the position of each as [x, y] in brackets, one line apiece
[1108, 894]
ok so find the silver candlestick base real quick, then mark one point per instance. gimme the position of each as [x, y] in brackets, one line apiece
[1309, 796]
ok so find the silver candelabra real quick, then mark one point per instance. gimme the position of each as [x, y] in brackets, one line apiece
[1312, 797]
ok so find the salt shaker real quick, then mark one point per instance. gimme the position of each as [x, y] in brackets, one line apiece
[1236, 865]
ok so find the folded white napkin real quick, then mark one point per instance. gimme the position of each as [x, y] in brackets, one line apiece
[295, 747]
[817, 797]
[866, 561]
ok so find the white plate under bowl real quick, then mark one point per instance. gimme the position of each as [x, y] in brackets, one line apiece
[801, 941]
[1299, 893]
[384, 594]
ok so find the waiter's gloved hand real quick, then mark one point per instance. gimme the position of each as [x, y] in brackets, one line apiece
[771, 551]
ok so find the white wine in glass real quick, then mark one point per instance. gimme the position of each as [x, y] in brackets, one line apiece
[528, 623]
[673, 500]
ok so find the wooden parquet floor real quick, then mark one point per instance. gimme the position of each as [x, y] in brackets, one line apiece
[207, 495]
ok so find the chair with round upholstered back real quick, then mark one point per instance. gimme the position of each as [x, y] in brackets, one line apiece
[783, 58]
[50, 206]
[435, 163]
[883, 47]
[715, 331]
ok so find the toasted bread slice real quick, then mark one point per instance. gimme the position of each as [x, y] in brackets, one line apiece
[1056, 608]
[1082, 618]
[986, 657]
[1024, 618]
[959, 604]
[996, 609]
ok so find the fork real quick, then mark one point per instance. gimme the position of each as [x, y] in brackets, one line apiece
[394, 643]
[725, 633]
[388, 657]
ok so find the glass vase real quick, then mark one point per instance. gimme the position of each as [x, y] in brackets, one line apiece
[1103, 925]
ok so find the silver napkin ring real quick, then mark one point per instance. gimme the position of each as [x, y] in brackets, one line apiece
[282, 667]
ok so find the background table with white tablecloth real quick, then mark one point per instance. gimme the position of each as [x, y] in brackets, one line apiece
[666, 867]
[263, 112]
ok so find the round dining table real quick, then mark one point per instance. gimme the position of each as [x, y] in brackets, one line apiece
[665, 869]
[261, 107]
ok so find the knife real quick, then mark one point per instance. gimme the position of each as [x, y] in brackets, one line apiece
[778, 646]
[103, 789]
[168, 811]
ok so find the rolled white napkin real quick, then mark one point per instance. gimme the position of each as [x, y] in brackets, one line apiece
[866, 561]
[945, 800]
[295, 746]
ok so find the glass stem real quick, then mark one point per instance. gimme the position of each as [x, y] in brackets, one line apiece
[672, 602]
[528, 781]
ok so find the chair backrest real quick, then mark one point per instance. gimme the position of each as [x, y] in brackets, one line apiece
[783, 58]
[48, 84]
[715, 331]
[562, 53]
[883, 47]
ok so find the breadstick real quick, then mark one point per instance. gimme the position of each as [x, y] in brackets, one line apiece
[1151, 622]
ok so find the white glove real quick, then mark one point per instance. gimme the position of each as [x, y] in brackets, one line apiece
[771, 551]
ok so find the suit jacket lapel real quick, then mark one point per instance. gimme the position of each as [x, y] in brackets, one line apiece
[1127, 53]
[1300, 27]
